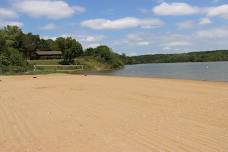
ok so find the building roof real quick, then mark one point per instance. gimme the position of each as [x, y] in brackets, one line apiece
[48, 53]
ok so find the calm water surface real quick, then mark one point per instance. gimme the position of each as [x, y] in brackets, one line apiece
[212, 71]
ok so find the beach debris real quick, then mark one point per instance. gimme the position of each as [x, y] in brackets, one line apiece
[34, 77]
[0, 80]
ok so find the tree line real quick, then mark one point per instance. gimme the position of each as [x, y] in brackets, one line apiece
[16, 47]
[204, 56]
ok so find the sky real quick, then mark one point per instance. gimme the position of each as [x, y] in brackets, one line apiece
[133, 27]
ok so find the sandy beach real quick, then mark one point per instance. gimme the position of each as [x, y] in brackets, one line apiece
[73, 113]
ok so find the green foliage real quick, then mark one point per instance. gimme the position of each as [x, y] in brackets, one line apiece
[89, 52]
[29, 43]
[2, 42]
[13, 57]
[50, 45]
[220, 55]
[45, 62]
[68, 56]
[70, 48]
[4, 61]
[105, 55]
[13, 35]
[11, 61]
[92, 64]
[60, 41]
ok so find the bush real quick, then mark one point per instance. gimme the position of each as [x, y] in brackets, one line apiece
[105, 55]
[68, 57]
[4, 61]
[12, 57]
[12, 61]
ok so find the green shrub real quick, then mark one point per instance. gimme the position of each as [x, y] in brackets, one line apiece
[12, 61]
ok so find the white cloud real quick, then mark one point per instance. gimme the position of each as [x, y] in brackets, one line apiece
[185, 25]
[92, 45]
[122, 23]
[53, 9]
[49, 26]
[178, 43]
[143, 43]
[205, 21]
[221, 11]
[5, 23]
[45, 37]
[89, 41]
[90, 38]
[155, 41]
[175, 9]
[215, 33]
[210, 39]
[8, 17]
[191, 24]
[7, 13]
[134, 37]
[86, 40]
[79, 9]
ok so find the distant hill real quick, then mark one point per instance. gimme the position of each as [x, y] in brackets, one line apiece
[204, 56]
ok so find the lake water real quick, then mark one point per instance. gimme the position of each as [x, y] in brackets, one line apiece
[212, 71]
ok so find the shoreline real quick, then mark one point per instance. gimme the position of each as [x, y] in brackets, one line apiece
[162, 78]
[118, 76]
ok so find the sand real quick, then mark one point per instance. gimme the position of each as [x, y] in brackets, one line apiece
[68, 113]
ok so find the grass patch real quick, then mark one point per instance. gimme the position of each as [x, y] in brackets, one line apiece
[93, 64]
[45, 62]
[89, 63]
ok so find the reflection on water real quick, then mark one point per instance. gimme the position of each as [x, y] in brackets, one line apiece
[215, 71]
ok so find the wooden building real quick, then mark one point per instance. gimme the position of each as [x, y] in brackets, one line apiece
[47, 55]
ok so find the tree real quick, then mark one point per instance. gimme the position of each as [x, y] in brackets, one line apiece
[10, 47]
[13, 36]
[51, 45]
[106, 55]
[70, 48]
[77, 48]
[4, 61]
[29, 43]
[69, 56]
[44, 45]
[12, 57]
[15, 57]
[2, 42]
[89, 52]
[103, 53]
[60, 41]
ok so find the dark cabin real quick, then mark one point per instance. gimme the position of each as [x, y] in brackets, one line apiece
[47, 55]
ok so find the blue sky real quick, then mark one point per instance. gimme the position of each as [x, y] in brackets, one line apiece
[132, 27]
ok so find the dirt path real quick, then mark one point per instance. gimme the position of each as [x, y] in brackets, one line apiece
[65, 113]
